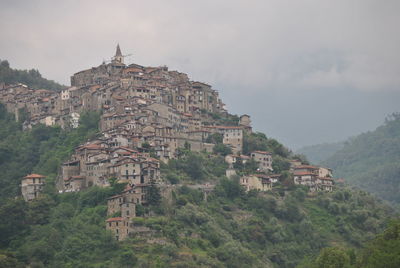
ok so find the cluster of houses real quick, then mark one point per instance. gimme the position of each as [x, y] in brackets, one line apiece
[147, 115]
[117, 90]
[315, 178]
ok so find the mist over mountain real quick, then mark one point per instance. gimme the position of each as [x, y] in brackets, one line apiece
[320, 152]
[372, 160]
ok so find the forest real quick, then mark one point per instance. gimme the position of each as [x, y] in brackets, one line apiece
[371, 160]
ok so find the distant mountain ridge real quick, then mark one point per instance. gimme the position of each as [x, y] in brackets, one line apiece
[372, 160]
[31, 78]
[319, 152]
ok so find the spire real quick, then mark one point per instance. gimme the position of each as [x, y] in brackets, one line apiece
[118, 52]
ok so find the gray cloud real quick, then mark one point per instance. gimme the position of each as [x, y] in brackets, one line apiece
[281, 50]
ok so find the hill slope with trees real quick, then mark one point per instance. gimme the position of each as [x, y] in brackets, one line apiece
[31, 78]
[372, 160]
[229, 229]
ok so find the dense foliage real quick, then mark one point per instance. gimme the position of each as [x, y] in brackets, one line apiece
[231, 229]
[31, 78]
[40, 150]
[372, 160]
[381, 252]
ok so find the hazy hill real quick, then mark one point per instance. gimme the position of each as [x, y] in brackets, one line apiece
[372, 160]
[320, 152]
[31, 78]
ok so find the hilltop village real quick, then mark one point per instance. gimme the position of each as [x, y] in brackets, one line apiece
[148, 114]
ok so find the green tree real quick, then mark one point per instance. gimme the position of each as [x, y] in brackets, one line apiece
[153, 196]
[222, 149]
[384, 251]
[333, 258]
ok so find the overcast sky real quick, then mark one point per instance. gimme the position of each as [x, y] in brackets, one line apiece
[307, 71]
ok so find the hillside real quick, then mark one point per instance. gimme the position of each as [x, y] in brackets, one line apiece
[320, 152]
[231, 229]
[382, 252]
[40, 150]
[31, 78]
[372, 160]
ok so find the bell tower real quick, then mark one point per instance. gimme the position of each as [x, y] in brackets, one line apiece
[118, 58]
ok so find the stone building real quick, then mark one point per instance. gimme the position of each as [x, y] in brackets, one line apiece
[124, 203]
[264, 160]
[258, 182]
[232, 136]
[31, 186]
[245, 122]
[120, 227]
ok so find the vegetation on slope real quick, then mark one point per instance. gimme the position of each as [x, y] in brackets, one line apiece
[381, 252]
[40, 150]
[320, 152]
[31, 78]
[231, 229]
[372, 160]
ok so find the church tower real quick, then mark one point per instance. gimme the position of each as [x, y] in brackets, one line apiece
[118, 58]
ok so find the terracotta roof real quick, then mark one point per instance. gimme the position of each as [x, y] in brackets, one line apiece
[91, 147]
[133, 70]
[32, 176]
[304, 173]
[115, 219]
[114, 196]
[261, 176]
[77, 177]
[94, 88]
[261, 152]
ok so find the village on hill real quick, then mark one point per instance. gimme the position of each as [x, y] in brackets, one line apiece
[148, 114]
